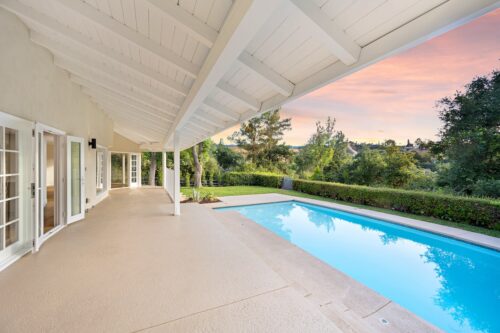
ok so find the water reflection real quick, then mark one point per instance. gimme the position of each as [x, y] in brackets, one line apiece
[451, 284]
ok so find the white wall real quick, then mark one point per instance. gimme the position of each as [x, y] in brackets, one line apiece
[33, 88]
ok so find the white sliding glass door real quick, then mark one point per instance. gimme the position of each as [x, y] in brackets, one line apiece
[75, 176]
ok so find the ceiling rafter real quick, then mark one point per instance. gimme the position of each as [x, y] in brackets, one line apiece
[248, 100]
[67, 55]
[119, 91]
[208, 120]
[220, 109]
[188, 22]
[31, 15]
[278, 82]
[111, 84]
[130, 110]
[330, 35]
[138, 121]
[131, 104]
[130, 35]
[241, 24]
[203, 125]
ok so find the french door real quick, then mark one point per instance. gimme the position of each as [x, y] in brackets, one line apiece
[75, 175]
[135, 170]
[16, 230]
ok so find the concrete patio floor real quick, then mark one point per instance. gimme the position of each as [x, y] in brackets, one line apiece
[130, 266]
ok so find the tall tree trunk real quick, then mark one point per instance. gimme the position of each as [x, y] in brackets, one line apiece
[198, 169]
[152, 169]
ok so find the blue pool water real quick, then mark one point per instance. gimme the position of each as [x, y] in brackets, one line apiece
[452, 284]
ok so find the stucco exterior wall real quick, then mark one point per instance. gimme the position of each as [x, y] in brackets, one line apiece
[33, 88]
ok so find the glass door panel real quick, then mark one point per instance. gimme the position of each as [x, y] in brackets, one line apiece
[15, 162]
[134, 170]
[76, 179]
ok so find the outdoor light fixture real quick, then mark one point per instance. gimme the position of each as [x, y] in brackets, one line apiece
[93, 143]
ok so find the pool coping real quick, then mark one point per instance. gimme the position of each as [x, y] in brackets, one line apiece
[451, 232]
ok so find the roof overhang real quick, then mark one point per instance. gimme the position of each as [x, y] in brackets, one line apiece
[197, 68]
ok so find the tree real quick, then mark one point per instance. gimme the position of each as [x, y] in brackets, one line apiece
[227, 158]
[368, 167]
[260, 138]
[198, 168]
[470, 136]
[152, 169]
[325, 154]
[400, 167]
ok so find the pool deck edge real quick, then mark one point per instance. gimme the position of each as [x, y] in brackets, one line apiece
[350, 305]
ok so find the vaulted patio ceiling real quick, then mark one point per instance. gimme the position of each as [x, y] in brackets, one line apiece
[197, 67]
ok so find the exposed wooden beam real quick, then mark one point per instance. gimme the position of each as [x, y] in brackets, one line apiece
[246, 99]
[242, 23]
[330, 35]
[31, 15]
[188, 22]
[208, 119]
[220, 109]
[449, 15]
[133, 121]
[120, 91]
[158, 119]
[113, 84]
[202, 125]
[68, 56]
[130, 35]
[137, 120]
[123, 103]
[278, 82]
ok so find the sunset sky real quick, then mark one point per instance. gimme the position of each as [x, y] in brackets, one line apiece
[395, 98]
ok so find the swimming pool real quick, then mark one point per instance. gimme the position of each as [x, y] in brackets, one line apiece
[452, 284]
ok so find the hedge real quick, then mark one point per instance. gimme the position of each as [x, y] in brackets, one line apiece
[252, 178]
[473, 211]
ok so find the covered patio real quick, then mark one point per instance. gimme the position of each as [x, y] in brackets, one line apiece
[129, 268]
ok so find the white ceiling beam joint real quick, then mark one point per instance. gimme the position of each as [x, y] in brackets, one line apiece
[243, 97]
[242, 23]
[130, 35]
[330, 35]
[220, 109]
[188, 22]
[278, 82]
[207, 119]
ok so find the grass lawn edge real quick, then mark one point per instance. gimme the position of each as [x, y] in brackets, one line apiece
[223, 191]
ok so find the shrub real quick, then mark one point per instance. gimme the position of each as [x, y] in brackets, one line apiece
[473, 211]
[252, 178]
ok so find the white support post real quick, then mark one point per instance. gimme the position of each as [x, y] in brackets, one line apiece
[164, 169]
[123, 170]
[177, 175]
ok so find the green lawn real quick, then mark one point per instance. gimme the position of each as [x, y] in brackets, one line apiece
[245, 190]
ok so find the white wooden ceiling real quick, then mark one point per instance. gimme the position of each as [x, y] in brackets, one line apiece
[197, 67]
